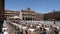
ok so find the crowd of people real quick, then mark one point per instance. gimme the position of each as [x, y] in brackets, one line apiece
[28, 28]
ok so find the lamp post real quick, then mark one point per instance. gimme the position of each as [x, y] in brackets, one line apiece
[54, 21]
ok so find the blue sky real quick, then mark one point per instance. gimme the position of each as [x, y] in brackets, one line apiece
[41, 6]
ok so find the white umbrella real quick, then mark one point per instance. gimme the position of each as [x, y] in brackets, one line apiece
[31, 29]
[14, 17]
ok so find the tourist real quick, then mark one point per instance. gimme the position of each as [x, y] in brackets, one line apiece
[55, 30]
[43, 31]
[5, 32]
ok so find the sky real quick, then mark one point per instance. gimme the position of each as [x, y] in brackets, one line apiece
[40, 6]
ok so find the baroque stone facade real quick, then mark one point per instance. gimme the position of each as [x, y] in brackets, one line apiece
[53, 15]
[24, 14]
[10, 13]
[30, 15]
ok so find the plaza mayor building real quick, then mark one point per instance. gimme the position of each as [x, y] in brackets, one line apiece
[28, 14]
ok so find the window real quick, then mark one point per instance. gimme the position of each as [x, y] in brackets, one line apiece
[32, 13]
[24, 12]
[27, 16]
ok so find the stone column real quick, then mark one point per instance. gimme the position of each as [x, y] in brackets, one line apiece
[1, 14]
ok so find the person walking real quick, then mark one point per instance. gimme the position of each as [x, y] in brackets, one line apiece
[56, 31]
[43, 31]
[5, 32]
